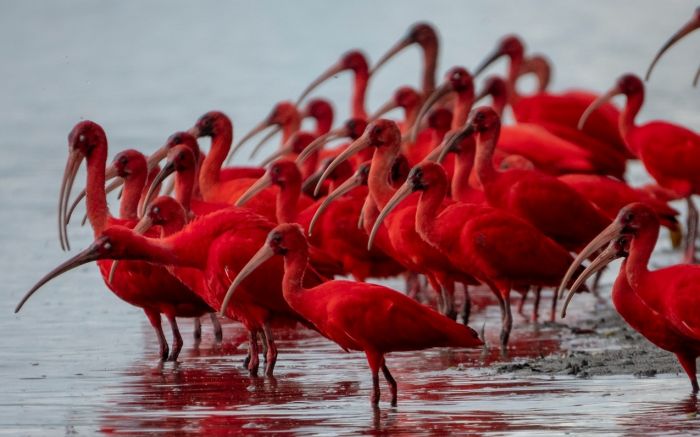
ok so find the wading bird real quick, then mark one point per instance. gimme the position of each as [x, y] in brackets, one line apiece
[357, 316]
[660, 304]
[690, 26]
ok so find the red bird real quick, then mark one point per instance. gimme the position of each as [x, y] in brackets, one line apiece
[141, 284]
[661, 304]
[669, 152]
[690, 26]
[357, 316]
[284, 116]
[497, 248]
[548, 109]
[356, 62]
[549, 204]
[426, 37]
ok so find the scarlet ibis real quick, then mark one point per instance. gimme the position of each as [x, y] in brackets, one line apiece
[690, 26]
[540, 66]
[549, 204]
[406, 98]
[320, 110]
[415, 254]
[144, 285]
[426, 37]
[353, 61]
[131, 166]
[549, 109]
[499, 249]
[284, 116]
[669, 152]
[551, 147]
[660, 304]
[357, 316]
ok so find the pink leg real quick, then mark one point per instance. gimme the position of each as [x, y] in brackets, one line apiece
[467, 307]
[177, 338]
[688, 363]
[507, 323]
[197, 329]
[521, 304]
[154, 318]
[536, 305]
[692, 232]
[254, 361]
[375, 361]
[218, 332]
[392, 384]
[553, 310]
[271, 354]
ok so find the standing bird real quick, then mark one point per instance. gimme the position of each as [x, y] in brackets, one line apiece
[426, 37]
[553, 207]
[549, 109]
[356, 62]
[141, 284]
[661, 304]
[497, 248]
[669, 152]
[357, 316]
[690, 26]
[284, 116]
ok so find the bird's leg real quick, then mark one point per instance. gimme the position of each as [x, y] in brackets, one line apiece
[437, 288]
[688, 363]
[392, 384]
[692, 232]
[553, 310]
[253, 359]
[197, 329]
[521, 304]
[218, 332]
[448, 295]
[154, 318]
[177, 338]
[271, 354]
[467, 307]
[536, 304]
[375, 361]
[507, 324]
[263, 340]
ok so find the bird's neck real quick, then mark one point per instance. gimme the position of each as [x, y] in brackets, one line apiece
[636, 265]
[133, 188]
[462, 106]
[513, 73]
[211, 166]
[290, 127]
[324, 124]
[96, 198]
[359, 92]
[460, 179]
[629, 113]
[483, 161]
[184, 186]
[295, 263]
[428, 208]
[378, 178]
[287, 201]
[430, 60]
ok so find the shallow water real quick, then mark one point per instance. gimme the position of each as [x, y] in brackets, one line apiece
[77, 360]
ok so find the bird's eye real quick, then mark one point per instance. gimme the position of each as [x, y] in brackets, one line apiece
[123, 160]
[107, 245]
[629, 217]
[177, 139]
[81, 138]
[155, 210]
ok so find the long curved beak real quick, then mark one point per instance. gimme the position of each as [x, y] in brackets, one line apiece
[696, 78]
[72, 165]
[600, 101]
[259, 185]
[398, 196]
[264, 140]
[84, 257]
[365, 206]
[320, 142]
[393, 51]
[286, 150]
[343, 189]
[389, 105]
[687, 28]
[141, 227]
[605, 258]
[256, 130]
[439, 153]
[608, 234]
[167, 170]
[332, 71]
[357, 145]
[439, 93]
[259, 258]
[488, 61]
